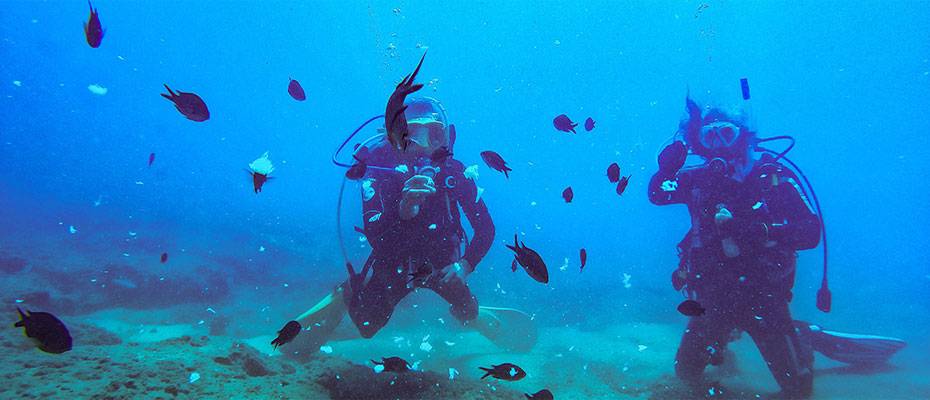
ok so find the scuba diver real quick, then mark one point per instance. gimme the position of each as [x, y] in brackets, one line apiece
[749, 217]
[411, 201]
[412, 222]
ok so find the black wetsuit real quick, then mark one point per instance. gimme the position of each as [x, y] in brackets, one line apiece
[430, 240]
[750, 291]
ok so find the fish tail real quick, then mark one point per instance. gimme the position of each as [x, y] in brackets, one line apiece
[506, 170]
[516, 244]
[487, 372]
[414, 88]
[170, 92]
[90, 5]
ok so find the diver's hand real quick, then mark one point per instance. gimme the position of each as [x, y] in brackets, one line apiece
[415, 191]
[672, 157]
[418, 187]
[457, 270]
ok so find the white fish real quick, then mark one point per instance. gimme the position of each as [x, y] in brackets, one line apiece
[17, 83]
[262, 165]
[194, 377]
[72, 229]
[425, 346]
[626, 280]
[97, 89]
[642, 347]
[326, 349]
[453, 373]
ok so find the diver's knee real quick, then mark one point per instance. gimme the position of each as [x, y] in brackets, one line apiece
[368, 331]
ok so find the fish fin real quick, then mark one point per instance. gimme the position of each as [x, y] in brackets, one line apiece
[375, 362]
[22, 318]
[91, 6]
[413, 76]
[414, 88]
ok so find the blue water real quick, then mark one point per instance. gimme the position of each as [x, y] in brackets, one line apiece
[849, 80]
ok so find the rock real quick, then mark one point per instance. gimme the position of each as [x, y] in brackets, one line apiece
[89, 335]
[361, 382]
[12, 265]
[254, 367]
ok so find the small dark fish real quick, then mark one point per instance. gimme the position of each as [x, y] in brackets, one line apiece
[164, 258]
[357, 171]
[286, 334]
[258, 180]
[673, 156]
[564, 124]
[393, 364]
[93, 31]
[48, 331]
[621, 186]
[589, 124]
[530, 260]
[395, 122]
[613, 173]
[568, 194]
[296, 91]
[420, 274]
[691, 308]
[496, 162]
[188, 104]
[440, 155]
[584, 258]
[505, 372]
[151, 158]
[544, 394]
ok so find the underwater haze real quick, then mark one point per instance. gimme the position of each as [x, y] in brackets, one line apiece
[145, 234]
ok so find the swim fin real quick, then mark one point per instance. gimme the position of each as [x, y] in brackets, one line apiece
[508, 328]
[849, 348]
[319, 322]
